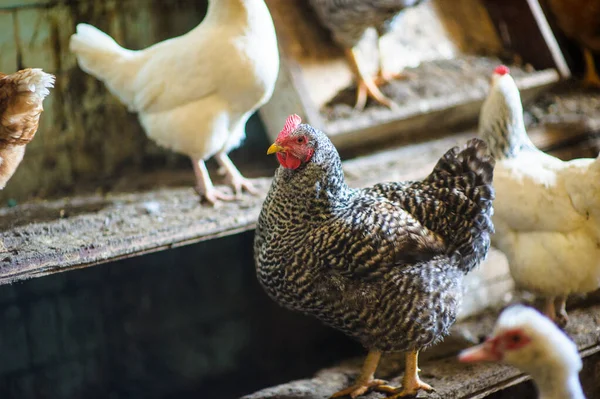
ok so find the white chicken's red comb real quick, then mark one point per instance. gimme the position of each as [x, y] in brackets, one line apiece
[501, 70]
[291, 123]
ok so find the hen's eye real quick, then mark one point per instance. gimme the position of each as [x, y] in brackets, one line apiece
[515, 339]
[300, 140]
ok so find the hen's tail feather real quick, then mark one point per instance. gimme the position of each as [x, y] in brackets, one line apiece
[32, 81]
[100, 55]
[464, 177]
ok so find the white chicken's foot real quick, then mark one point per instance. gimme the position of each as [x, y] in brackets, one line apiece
[204, 186]
[562, 318]
[234, 177]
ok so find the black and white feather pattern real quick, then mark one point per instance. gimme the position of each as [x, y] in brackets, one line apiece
[383, 264]
[349, 19]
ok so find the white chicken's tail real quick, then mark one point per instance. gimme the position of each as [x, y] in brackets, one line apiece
[96, 51]
[33, 81]
[99, 55]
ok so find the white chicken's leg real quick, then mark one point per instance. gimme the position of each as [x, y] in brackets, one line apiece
[233, 175]
[562, 318]
[204, 186]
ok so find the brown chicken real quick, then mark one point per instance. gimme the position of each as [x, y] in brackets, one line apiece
[580, 20]
[21, 96]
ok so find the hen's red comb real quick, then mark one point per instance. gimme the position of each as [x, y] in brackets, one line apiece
[501, 70]
[291, 123]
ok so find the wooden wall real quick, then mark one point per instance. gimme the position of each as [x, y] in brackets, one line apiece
[85, 133]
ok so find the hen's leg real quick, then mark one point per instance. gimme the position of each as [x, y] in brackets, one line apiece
[204, 186]
[411, 383]
[366, 85]
[383, 75]
[365, 381]
[560, 303]
[549, 309]
[234, 177]
[591, 78]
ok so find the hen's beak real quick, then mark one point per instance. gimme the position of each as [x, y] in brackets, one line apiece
[275, 148]
[479, 353]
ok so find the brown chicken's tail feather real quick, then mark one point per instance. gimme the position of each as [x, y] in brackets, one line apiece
[33, 80]
[466, 177]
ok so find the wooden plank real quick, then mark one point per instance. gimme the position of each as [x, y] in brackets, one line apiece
[36, 241]
[451, 110]
[451, 379]
[523, 29]
[44, 237]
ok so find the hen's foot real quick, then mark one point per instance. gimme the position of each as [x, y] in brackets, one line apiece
[361, 388]
[366, 87]
[204, 186]
[240, 183]
[213, 196]
[411, 383]
[555, 310]
[233, 176]
[365, 380]
[561, 317]
[412, 388]
[385, 77]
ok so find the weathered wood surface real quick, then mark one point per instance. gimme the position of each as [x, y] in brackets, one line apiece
[451, 379]
[43, 237]
[85, 133]
[97, 229]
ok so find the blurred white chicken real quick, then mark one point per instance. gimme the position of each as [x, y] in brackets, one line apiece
[194, 93]
[546, 211]
[525, 339]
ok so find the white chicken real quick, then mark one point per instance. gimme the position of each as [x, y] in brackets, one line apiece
[526, 339]
[546, 211]
[194, 93]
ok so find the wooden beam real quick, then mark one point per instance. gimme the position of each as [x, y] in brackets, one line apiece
[524, 29]
[44, 237]
[451, 379]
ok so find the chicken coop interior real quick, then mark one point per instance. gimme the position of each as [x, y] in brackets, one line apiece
[174, 221]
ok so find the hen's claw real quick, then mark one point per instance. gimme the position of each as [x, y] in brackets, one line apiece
[239, 184]
[411, 383]
[412, 389]
[368, 88]
[233, 176]
[213, 195]
[561, 318]
[385, 77]
[360, 388]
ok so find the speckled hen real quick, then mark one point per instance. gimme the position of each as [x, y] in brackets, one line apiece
[383, 264]
[348, 21]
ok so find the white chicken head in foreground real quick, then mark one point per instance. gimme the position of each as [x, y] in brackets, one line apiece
[501, 118]
[528, 340]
